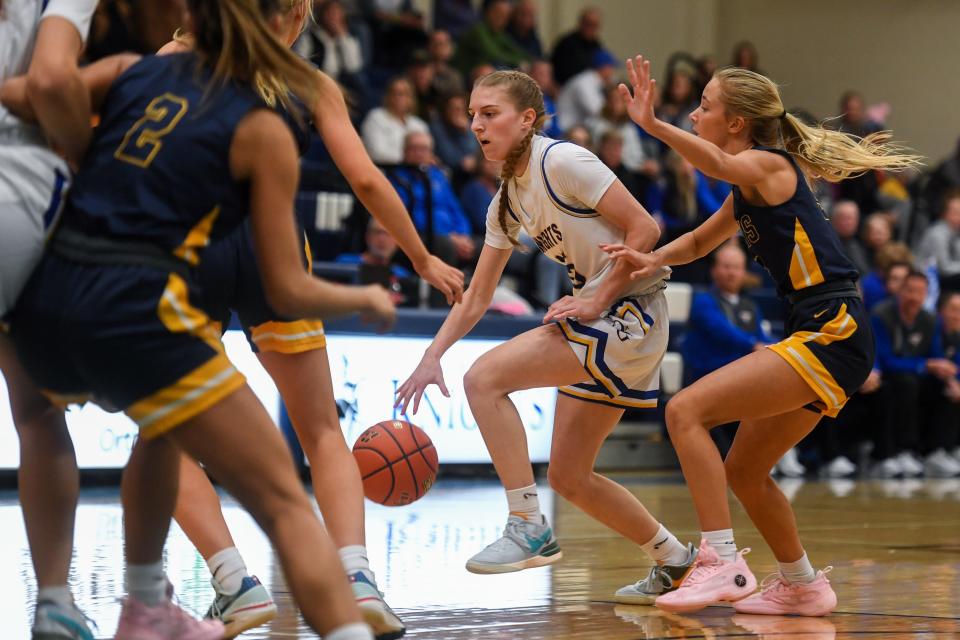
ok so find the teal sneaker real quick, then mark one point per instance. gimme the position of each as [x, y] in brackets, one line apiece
[250, 607]
[54, 621]
[524, 545]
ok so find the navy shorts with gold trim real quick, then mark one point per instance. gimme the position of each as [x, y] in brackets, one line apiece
[830, 344]
[128, 337]
[230, 279]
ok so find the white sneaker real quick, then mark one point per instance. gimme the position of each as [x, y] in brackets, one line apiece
[840, 467]
[841, 487]
[941, 464]
[789, 466]
[887, 468]
[956, 454]
[912, 467]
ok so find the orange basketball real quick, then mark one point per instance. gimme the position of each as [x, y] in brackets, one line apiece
[397, 461]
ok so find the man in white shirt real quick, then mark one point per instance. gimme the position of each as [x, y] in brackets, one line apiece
[582, 97]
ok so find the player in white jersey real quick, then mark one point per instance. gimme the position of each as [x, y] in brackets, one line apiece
[43, 40]
[602, 346]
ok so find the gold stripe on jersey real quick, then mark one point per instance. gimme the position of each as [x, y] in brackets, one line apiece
[289, 337]
[589, 362]
[620, 401]
[198, 238]
[179, 316]
[804, 268]
[794, 350]
[189, 396]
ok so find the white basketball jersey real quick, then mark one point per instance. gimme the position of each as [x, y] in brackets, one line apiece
[554, 202]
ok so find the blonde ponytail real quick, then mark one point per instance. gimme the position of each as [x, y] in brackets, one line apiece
[831, 155]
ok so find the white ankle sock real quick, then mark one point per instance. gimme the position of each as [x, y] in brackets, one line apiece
[664, 548]
[798, 572]
[60, 595]
[722, 542]
[355, 631]
[354, 559]
[228, 570]
[524, 502]
[147, 583]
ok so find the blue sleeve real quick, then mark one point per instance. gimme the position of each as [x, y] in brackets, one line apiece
[887, 361]
[458, 219]
[710, 199]
[706, 315]
[936, 348]
[446, 150]
[760, 334]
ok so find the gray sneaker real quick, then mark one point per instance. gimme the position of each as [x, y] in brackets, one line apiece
[524, 545]
[54, 621]
[661, 579]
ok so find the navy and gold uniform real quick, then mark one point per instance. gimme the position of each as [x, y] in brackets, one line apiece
[830, 342]
[113, 309]
[231, 281]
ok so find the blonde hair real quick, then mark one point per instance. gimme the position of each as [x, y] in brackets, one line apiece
[234, 39]
[831, 155]
[524, 93]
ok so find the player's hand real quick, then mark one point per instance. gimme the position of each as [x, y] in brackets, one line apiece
[380, 309]
[427, 372]
[648, 264]
[448, 280]
[941, 368]
[640, 105]
[572, 307]
[872, 383]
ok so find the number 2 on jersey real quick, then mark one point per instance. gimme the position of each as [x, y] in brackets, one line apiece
[143, 141]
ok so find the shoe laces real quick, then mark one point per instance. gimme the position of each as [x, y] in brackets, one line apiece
[658, 576]
[776, 584]
[513, 533]
[703, 571]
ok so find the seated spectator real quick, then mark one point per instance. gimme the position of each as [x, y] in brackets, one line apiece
[943, 443]
[456, 144]
[574, 51]
[893, 195]
[488, 41]
[944, 178]
[940, 244]
[845, 218]
[610, 152]
[385, 128]
[523, 28]
[883, 284]
[451, 239]
[911, 360]
[877, 233]
[477, 194]
[446, 80]
[542, 73]
[680, 98]
[420, 74]
[398, 31]
[328, 44]
[638, 155]
[381, 251]
[745, 56]
[479, 71]
[724, 325]
[580, 136]
[454, 17]
[582, 97]
[855, 121]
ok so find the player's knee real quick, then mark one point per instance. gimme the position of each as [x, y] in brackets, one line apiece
[679, 414]
[569, 485]
[742, 480]
[477, 380]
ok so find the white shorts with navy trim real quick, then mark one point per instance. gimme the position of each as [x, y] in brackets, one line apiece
[622, 351]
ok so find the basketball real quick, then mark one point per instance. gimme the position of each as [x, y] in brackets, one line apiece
[398, 462]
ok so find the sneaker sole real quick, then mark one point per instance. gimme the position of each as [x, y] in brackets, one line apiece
[383, 627]
[531, 563]
[50, 636]
[238, 625]
[637, 599]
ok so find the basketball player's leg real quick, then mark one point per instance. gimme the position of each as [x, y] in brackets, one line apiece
[534, 359]
[276, 500]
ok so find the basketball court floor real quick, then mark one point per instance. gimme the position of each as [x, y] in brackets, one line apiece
[894, 546]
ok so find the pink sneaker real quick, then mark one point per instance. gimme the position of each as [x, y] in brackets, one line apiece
[166, 621]
[778, 597]
[710, 581]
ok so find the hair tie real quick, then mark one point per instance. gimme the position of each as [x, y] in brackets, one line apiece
[783, 114]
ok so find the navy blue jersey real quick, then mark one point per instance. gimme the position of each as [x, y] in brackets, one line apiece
[794, 241]
[158, 169]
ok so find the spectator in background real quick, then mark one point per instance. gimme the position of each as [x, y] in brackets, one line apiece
[542, 73]
[911, 360]
[674, 198]
[680, 98]
[381, 249]
[940, 244]
[574, 51]
[580, 136]
[724, 325]
[745, 56]
[894, 261]
[943, 442]
[455, 17]
[479, 71]
[944, 178]
[398, 31]
[451, 239]
[845, 218]
[488, 41]
[420, 74]
[328, 44]
[120, 26]
[385, 128]
[893, 195]
[638, 156]
[446, 80]
[610, 152]
[477, 194]
[582, 97]
[877, 233]
[523, 28]
[854, 121]
[456, 144]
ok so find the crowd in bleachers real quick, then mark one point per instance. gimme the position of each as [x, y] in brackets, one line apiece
[408, 87]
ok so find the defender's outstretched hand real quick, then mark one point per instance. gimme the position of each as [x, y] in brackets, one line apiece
[448, 280]
[427, 372]
[640, 104]
[648, 263]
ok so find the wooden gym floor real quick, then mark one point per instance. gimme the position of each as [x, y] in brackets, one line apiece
[894, 546]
